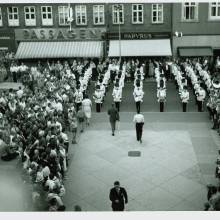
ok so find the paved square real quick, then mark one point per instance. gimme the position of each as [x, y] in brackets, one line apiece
[167, 175]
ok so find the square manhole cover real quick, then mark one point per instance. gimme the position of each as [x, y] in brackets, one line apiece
[134, 153]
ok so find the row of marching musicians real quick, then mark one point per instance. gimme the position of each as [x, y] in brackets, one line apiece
[198, 90]
[161, 86]
[101, 87]
[138, 92]
[81, 87]
[181, 85]
[118, 87]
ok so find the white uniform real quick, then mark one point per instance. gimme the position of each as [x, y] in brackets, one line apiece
[98, 96]
[86, 106]
[117, 94]
[184, 96]
[138, 94]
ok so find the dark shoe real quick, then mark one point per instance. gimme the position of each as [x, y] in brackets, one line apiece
[81, 131]
[140, 141]
[113, 134]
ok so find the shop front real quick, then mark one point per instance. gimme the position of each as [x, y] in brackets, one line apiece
[139, 45]
[59, 43]
[198, 45]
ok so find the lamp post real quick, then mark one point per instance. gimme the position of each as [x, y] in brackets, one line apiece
[118, 8]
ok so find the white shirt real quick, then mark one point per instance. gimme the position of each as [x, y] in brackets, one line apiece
[138, 118]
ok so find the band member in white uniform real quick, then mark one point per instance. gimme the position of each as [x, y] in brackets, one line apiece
[117, 95]
[201, 94]
[98, 97]
[184, 97]
[161, 96]
[138, 96]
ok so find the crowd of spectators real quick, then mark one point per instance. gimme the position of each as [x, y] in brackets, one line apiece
[34, 121]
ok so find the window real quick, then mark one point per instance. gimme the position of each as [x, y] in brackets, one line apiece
[30, 17]
[157, 13]
[98, 14]
[1, 23]
[118, 14]
[13, 19]
[81, 17]
[190, 11]
[63, 15]
[214, 10]
[46, 15]
[137, 14]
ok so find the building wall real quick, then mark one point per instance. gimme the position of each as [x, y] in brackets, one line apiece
[172, 22]
[195, 33]
[147, 25]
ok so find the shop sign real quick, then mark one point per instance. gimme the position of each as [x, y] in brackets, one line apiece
[59, 34]
[136, 36]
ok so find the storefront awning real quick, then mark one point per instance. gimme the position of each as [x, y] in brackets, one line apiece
[195, 51]
[139, 48]
[32, 50]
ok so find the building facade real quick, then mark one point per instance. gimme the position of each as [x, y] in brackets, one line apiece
[105, 22]
[199, 24]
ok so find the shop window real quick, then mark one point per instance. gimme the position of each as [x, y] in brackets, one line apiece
[137, 14]
[81, 16]
[13, 19]
[30, 16]
[1, 23]
[190, 11]
[46, 15]
[63, 15]
[214, 10]
[118, 14]
[157, 13]
[98, 14]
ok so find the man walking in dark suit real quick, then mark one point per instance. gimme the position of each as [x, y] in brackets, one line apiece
[113, 117]
[118, 197]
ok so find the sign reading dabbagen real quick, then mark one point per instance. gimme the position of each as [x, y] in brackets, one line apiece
[46, 34]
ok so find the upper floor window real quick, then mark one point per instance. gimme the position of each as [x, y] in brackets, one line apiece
[13, 19]
[46, 14]
[81, 16]
[118, 14]
[29, 15]
[137, 13]
[157, 13]
[63, 15]
[98, 14]
[1, 23]
[214, 10]
[190, 11]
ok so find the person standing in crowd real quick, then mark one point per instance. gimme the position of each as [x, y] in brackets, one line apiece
[113, 117]
[98, 97]
[118, 196]
[14, 71]
[72, 119]
[185, 98]
[81, 119]
[78, 97]
[201, 94]
[87, 108]
[151, 69]
[139, 123]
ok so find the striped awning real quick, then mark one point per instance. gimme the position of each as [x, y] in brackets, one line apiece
[32, 50]
[195, 51]
[129, 48]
